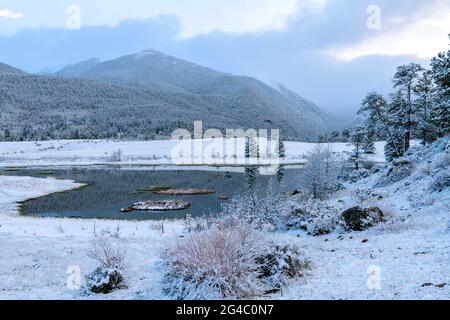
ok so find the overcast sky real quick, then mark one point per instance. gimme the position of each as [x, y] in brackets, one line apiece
[329, 51]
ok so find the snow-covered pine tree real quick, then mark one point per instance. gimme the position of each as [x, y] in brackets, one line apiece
[281, 155]
[345, 135]
[282, 150]
[406, 79]
[251, 151]
[369, 140]
[440, 114]
[334, 136]
[357, 139]
[423, 107]
[378, 114]
[397, 123]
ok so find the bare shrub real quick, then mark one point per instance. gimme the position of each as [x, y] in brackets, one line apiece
[116, 156]
[228, 263]
[108, 276]
[280, 264]
[365, 197]
[321, 171]
[214, 264]
[315, 216]
[262, 213]
[108, 253]
[441, 181]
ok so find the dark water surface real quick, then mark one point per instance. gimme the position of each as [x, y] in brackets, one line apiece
[109, 190]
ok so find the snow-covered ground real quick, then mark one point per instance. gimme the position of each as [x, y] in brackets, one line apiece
[410, 253]
[89, 152]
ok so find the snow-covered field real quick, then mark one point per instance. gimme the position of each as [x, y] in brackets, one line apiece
[410, 253]
[89, 152]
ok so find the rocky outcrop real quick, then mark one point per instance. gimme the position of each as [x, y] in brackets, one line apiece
[104, 280]
[359, 219]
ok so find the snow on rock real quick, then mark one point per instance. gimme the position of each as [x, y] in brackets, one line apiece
[163, 205]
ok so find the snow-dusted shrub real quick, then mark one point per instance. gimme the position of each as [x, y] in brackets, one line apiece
[398, 170]
[365, 196]
[321, 172]
[314, 216]
[441, 161]
[264, 213]
[228, 263]
[440, 181]
[196, 224]
[108, 252]
[279, 264]
[108, 276]
[356, 175]
[116, 156]
[104, 280]
[214, 264]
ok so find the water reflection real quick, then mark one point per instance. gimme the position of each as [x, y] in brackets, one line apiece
[109, 190]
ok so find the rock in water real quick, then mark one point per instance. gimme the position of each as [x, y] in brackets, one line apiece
[184, 192]
[163, 205]
[359, 219]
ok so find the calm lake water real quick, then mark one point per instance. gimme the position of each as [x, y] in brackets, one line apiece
[109, 190]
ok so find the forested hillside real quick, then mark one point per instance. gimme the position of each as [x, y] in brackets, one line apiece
[146, 95]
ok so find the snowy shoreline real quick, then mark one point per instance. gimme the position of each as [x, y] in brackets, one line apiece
[412, 251]
[145, 153]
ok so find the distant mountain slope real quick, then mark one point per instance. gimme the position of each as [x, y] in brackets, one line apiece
[251, 101]
[6, 69]
[143, 95]
[79, 68]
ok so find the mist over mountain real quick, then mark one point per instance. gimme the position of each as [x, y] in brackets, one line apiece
[147, 94]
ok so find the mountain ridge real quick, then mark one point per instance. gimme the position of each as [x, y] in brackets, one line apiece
[145, 94]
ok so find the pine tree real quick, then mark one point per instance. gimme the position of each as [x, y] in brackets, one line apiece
[251, 151]
[345, 135]
[423, 107]
[397, 124]
[7, 134]
[281, 155]
[378, 114]
[282, 150]
[440, 114]
[405, 79]
[369, 141]
[334, 136]
[357, 139]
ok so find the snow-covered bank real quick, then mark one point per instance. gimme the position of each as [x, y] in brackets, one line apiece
[408, 257]
[91, 152]
[35, 253]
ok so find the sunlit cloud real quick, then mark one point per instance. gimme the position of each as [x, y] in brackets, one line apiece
[245, 16]
[197, 17]
[422, 38]
[6, 13]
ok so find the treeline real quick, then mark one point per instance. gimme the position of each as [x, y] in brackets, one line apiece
[417, 108]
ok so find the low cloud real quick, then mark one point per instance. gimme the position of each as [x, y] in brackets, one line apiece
[421, 37]
[6, 13]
